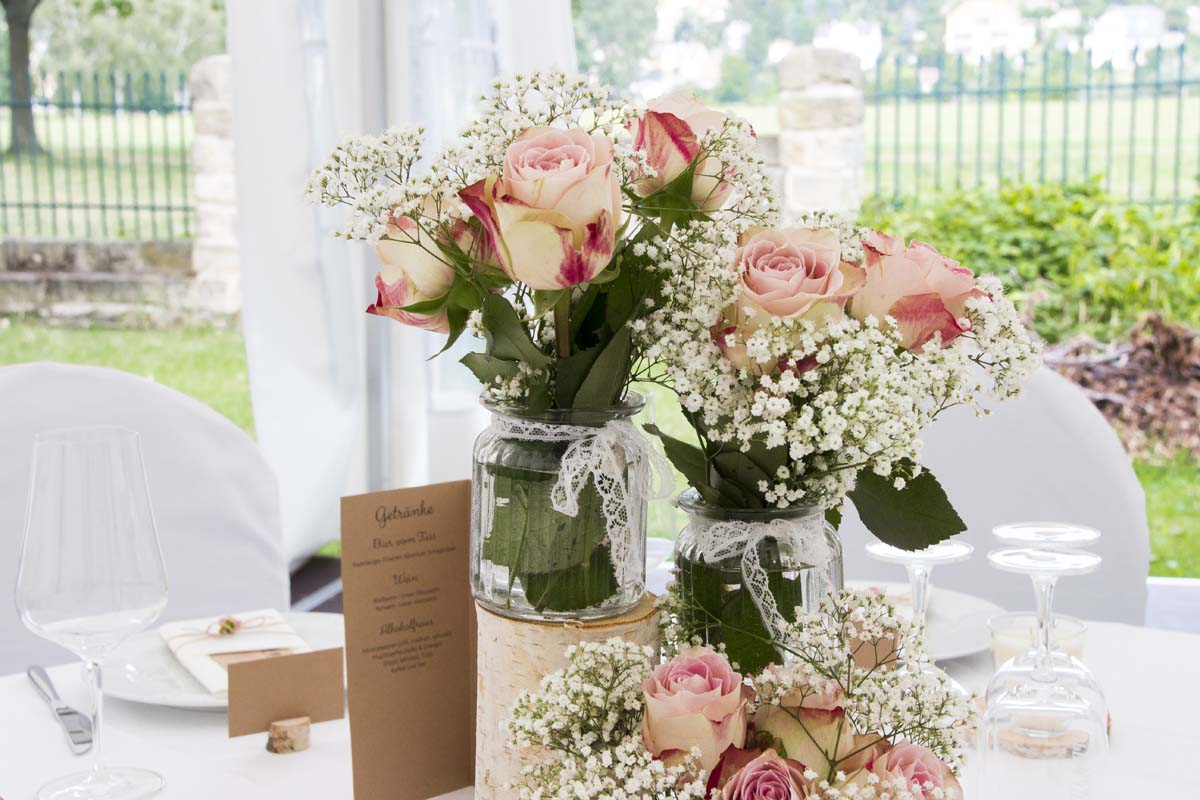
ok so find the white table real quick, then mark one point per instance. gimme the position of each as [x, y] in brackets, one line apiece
[1152, 679]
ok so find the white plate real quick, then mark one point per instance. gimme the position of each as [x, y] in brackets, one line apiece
[143, 669]
[956, 623]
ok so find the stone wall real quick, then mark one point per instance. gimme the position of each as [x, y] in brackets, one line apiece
[115, 282]
[821, 130]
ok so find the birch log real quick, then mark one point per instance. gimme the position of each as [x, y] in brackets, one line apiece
[514, 656]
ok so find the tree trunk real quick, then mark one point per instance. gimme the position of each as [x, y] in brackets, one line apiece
[19, 14]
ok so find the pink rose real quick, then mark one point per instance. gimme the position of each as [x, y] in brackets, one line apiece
[402, 292]
[669, 133]
[695, 700]
[768, 777]
[794, 273]
[919, 769]
[552, 216]
[925, 292]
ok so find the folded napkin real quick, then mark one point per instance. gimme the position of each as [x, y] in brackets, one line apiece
[206, 653]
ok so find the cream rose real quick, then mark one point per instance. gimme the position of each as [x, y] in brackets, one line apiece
[669, 133]
[400, 291]
[768, 777]
[816, 732]
[922, 772]
[695, 700]
[552, 216]
[925, 292]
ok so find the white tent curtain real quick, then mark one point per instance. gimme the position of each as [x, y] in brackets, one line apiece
[343, 402]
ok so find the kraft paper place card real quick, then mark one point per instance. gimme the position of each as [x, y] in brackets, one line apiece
[410, 640]
[264, 690]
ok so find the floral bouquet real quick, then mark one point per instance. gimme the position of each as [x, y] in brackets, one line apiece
[808, 359]
[540, 231]
[839, 721]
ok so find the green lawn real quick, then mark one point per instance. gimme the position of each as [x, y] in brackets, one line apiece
[103, 175]
[210, 364]
[921, 145]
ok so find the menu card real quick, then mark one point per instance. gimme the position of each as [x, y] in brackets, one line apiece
[410, 640]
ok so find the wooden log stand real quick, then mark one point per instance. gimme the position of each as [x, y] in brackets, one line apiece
[514, 656]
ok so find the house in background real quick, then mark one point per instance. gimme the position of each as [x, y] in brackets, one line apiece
[980, 29]
[863, 39]
[1123, 31]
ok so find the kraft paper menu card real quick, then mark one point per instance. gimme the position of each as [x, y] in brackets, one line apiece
[264, 690]
[410, 640]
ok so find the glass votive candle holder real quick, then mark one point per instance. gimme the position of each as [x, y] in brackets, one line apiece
[1013, 635]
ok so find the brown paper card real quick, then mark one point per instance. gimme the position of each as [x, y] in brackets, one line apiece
[262, 691]
[410, 641]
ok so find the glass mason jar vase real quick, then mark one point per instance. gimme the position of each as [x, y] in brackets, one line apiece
[529, 560]
[717, 601]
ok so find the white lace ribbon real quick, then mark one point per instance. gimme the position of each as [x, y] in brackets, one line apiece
[719, 540]
[605, 455]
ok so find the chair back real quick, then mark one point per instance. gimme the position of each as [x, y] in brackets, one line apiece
[215, 499]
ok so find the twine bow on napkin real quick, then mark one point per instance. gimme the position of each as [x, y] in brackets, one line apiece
[605, 455]
[719, 540]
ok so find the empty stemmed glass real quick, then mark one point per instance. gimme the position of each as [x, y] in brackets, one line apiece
[1042, 731]
[91, 573]
[1062, 536]
[919, 564]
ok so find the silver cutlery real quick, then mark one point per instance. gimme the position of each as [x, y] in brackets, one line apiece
[77, 725]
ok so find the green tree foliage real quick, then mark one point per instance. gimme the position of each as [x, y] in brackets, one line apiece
[612, 37]
[1082, 261]
[127, 37]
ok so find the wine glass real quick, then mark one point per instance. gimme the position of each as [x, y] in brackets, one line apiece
[1047, 536]
[919, 564]
[91, 573]
[1042, 732]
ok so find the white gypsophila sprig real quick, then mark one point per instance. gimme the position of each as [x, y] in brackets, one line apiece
[586, 719]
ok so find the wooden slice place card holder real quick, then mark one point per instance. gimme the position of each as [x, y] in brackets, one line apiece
[284, 695]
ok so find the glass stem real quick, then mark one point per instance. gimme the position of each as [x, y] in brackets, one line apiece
[918, 580]
[91, 668]
[1043, 587]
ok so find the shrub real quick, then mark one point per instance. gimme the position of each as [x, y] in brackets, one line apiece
[1073, 257]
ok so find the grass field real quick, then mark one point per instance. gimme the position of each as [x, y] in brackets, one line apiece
[104, 175]
[1147, 148]
[210, 364]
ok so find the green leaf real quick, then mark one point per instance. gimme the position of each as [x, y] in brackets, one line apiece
[456, 316]
[487, 368]
[575, 587]
[571, 371]
[546, 299]
[834, 517]
[606, 378]
[427, 306]
[689, 460]
[911, 518]
[507, 337]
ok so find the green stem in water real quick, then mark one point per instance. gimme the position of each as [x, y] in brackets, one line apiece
[562, 325]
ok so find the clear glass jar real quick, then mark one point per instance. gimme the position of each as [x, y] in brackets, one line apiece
[528, 560]
[718, 604]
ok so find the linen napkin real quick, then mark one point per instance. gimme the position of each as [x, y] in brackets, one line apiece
[205, 653]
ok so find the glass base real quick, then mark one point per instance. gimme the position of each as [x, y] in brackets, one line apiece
[108, 783]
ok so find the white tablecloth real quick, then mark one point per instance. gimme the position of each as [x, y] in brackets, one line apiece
[1152, 679]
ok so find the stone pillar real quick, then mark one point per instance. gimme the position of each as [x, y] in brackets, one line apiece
[216, 287]
[821, 130]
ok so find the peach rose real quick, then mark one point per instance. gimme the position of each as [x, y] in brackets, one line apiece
[921, 771]
[695, 700]
[818, 737]
[669, 133]
[552, 216]
[768, 777]
[925, 292]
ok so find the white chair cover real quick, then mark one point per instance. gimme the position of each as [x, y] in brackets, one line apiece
[215, 499]
[1050, 455]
